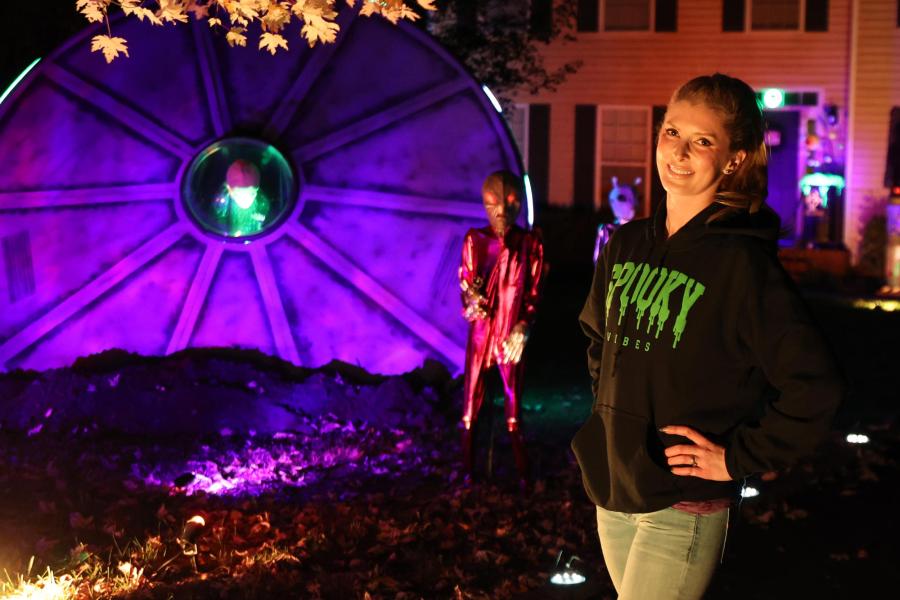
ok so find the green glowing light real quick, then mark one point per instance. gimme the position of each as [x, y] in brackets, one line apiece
[16, 81]
[773, 98]
[239, 189]
[821, 180]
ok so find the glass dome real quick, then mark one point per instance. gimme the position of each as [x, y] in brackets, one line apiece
[239, 188]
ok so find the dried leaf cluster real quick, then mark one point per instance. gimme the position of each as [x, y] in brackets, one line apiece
[236, 17]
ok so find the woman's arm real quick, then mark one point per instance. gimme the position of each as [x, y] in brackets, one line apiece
[786, 344]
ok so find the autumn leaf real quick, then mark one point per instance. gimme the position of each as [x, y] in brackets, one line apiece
[369, 8]
[171, 11]
[392, 14]
[236, 37]
[275, 18]
[128, 6]
[242, 12]
[213, 22]
[93, 10]
[110, 46]
[314, 8]
[408, 13]
[272, 42]
[317, 29]
[145, 13]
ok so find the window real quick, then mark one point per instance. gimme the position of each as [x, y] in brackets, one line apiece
[624, 136]
[775, 15]
[628, 15]
[624, 148]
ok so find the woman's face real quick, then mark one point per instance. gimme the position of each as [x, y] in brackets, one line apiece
[693, 151]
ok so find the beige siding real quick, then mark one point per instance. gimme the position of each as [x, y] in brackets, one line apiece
[562, 152]
[876, 71]
[643, 68]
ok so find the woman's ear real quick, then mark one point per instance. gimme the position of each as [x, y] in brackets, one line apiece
[735, 162]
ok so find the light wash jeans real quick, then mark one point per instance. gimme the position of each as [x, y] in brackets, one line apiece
[664, 555]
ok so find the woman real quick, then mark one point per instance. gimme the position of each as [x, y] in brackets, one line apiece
[706, 366]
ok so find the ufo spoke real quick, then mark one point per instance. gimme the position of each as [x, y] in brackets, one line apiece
[373, 290]
[196, 298]
[367, 125]
[278, 321]
[319, 59]
[90, 292]
[120, 111]
[212, 80]
[87, 196]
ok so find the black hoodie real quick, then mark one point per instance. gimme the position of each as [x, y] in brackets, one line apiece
[703, 329]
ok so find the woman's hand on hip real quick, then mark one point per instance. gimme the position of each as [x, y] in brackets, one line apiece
[702, 459]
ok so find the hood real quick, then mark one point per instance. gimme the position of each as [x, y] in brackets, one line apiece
[763, 224]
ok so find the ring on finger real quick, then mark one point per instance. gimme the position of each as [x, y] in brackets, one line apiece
[693, 461]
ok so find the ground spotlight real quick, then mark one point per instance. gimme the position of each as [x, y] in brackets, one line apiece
[749, 492]
[188, 538]
[857, 438]
[564, 573]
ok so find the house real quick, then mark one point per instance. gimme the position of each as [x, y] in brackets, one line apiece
[830, 71]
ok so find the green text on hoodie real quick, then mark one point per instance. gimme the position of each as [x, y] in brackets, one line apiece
[704, 329]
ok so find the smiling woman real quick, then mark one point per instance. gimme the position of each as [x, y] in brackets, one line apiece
[738, 382]
[693, 155]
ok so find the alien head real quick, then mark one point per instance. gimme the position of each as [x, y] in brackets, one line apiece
[623, 199]
[502, 196]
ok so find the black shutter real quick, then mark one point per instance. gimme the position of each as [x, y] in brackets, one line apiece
[817, 15]
[539, 151]
[732, 15]
[666, 15]
[657, 192]
[541, 18]
[588, 15]
[892, 169]
[585, 155]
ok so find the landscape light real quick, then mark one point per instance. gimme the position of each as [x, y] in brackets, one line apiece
[884, 304]
[566, 575]
[188, 538]
[857, 438]
[749, 492]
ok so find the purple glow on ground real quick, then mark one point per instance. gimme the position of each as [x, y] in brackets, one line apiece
[242, 466]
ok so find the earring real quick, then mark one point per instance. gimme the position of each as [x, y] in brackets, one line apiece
[728, 171]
